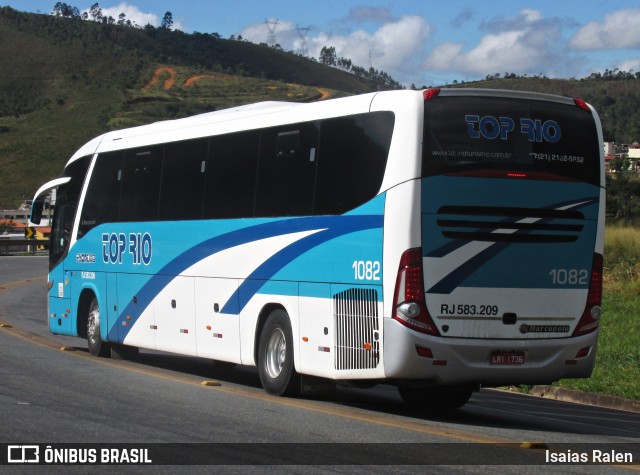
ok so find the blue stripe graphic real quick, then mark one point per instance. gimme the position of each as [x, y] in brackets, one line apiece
[331, 227]
[458, 275]
[458, 243]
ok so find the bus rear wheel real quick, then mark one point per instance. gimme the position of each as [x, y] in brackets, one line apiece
[438, 398]
[275, 356]
[97, 347]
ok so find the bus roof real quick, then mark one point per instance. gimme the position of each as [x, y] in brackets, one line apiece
[470, 91]
[273, 113]
[233, 119]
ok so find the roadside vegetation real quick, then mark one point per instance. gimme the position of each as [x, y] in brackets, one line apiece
[617, 370]
[65, 81]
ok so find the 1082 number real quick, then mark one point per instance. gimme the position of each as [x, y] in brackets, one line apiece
[569, 276]
[366, 270]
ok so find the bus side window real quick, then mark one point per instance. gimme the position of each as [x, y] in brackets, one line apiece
[65, 209]
[287, 170]
[183, 178]
[231, 175]
[103, 194]
[352, 160]
[141, 184]
[61, 229]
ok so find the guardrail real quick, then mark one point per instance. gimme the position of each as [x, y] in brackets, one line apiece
[22, 245]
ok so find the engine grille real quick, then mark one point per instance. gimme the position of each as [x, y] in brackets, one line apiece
[356, 321]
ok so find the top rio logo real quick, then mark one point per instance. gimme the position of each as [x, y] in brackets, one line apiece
[490, 127]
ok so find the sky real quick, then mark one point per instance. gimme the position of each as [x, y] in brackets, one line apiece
[420, 42]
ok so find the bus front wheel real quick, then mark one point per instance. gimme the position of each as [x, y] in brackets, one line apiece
[97, 347]
[275, 356]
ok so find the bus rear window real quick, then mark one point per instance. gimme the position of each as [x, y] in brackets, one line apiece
[483, 136]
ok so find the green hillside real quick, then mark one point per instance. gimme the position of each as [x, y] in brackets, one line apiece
[65, 81]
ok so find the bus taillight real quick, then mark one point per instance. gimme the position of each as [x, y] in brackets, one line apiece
[409, 304]
[591, 315]
[430, 93]
[581, 104]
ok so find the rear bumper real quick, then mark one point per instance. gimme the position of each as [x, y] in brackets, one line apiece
[465, 360]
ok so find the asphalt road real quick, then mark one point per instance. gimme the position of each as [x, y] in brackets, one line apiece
[54, 396]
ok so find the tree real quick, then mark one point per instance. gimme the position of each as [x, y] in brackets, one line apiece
[328, 56]
[64, 10]
[622, 197]
[95, 12]
[167, 21]
[345, 64]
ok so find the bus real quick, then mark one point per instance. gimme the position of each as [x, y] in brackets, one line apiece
[437, 240]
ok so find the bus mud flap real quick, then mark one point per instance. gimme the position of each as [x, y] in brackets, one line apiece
[124, 352]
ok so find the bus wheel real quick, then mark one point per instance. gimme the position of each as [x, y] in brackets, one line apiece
[97, 347]
[275, 356]
[432, 399]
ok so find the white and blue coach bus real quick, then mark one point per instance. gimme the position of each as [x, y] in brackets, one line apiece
[435, 240]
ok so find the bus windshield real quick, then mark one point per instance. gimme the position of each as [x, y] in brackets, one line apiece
[483, 136]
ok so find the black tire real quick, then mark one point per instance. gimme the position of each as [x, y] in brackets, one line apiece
[97, 347]
[437, 398]
[275, 356]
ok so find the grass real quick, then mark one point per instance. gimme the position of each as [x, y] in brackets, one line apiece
[64, 82]
[622, 258]
[617, 369]
[34, 148]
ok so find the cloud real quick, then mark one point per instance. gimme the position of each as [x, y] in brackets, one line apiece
[393, 44]
[526, 44]
[363, 14]
[286, 35]
[632, 64]
[620, 29]
[462, 18]
[132, 13]
[135, 15]
[499, 24]
[494, 53]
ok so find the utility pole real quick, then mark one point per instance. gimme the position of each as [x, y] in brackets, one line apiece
[302, 33]
[271, 28]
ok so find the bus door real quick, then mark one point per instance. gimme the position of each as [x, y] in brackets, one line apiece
[60, 320]
[61, 227]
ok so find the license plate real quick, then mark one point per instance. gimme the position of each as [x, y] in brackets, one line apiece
[507, 358]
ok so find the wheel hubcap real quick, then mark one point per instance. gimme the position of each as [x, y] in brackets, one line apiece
[93, 324]
[276, 353]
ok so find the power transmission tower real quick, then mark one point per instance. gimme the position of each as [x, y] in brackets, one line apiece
[303, 31]
[271, 27]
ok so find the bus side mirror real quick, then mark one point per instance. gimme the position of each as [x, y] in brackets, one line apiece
[36, 211]
[37, 206]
